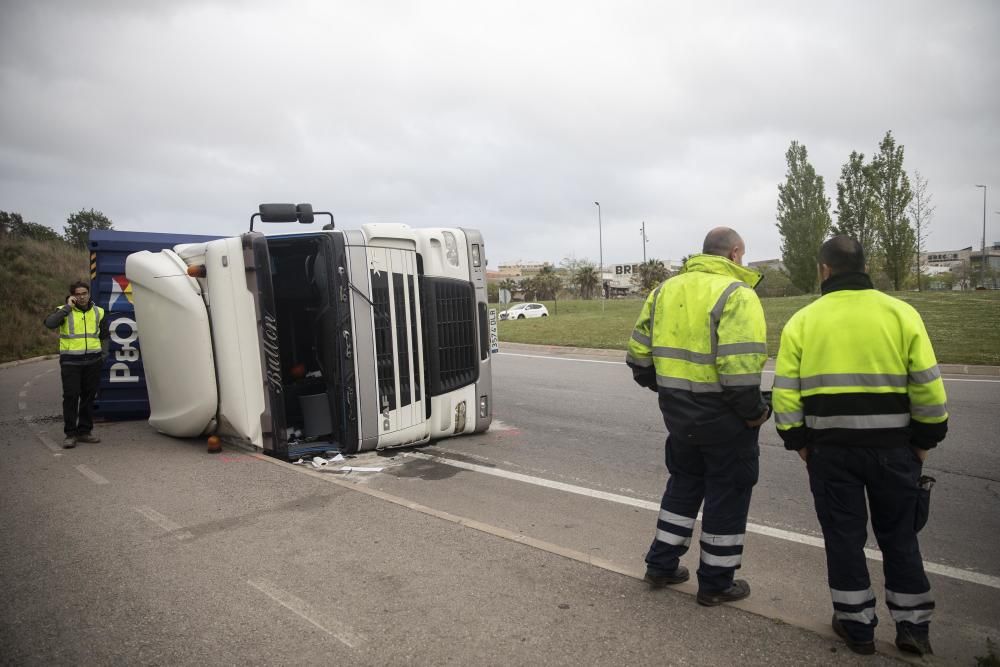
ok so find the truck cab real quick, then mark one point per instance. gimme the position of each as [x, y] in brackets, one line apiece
[351, 340]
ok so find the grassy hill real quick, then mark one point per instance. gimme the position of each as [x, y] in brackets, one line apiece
[34, 280]
[964, 326]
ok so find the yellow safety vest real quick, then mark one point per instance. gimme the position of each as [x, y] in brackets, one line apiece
[704, 329]
[79, 333]
[858, 359]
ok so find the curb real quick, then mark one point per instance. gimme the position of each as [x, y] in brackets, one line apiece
[559, 351]
[18, 362]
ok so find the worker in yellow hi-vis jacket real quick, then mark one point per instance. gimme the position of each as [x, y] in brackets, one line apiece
[700, 343]
[858, 393]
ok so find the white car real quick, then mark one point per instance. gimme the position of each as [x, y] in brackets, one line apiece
[524, 310]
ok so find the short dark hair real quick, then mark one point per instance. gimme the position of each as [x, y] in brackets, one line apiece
[843, 255]
[78, 284]
[720, 241]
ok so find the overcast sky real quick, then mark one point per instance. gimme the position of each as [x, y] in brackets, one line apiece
[511, 117]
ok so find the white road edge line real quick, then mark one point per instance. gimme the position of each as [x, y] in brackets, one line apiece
[787, 535]
[163, 522]
[91, 475]
[618, 363]
[302, 609]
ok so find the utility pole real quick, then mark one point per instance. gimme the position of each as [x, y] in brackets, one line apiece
[600, 250]
[644, 239]
[982, 257]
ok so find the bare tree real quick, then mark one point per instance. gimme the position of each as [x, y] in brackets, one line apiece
[921, 211]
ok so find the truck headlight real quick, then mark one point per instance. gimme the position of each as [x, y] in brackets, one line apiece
[451, 248]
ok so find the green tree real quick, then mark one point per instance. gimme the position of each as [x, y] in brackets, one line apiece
[14, 225]
[586, 279]
[803, 217]
[649, 274]
[79, 224]
[897, 240]
[547, 283]
[921, 211]
[857, 211]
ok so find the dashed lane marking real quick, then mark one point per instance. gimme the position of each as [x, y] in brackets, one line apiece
[48, 443]
[787, 535]
[91, 475]
[302, 609]
[21, 405]
[620, 363]
[163, 522]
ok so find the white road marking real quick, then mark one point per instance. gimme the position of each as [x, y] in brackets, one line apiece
[302, 609]
[48, 442]
[968, 380]
[620, 363]
[163, 522]
[497, 425]
[21, 405]
[541, 356]
[787, 535]
[23, 394]
[91, 475]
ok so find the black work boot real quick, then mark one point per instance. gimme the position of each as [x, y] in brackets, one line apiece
[657, 579]
[909, 641]
[740, 589]
[862, 648]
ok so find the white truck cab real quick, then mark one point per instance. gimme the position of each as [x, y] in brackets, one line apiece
[335, 339]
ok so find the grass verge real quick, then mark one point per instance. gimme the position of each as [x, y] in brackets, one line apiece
[34, 280]
[964, 326]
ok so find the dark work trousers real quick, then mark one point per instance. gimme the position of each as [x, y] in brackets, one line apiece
[79, 384]
[840, 479]
[723, 475]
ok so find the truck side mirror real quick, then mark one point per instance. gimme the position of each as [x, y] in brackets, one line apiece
[279, 212]
[304, 212]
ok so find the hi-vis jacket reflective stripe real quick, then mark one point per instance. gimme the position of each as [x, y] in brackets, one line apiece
[856, 367]
[704, 331]
[79, 333]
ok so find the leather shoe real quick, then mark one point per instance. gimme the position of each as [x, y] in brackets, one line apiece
[861, 648]
[660, 579]
[911, 642]
[740, 589]
[87, 437]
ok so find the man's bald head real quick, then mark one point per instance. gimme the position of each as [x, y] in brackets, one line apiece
[724, 242]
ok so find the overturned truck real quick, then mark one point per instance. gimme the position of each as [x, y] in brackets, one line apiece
[335, 339]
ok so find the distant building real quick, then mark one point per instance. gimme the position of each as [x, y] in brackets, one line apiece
[946, 258]
[618, 277]
[519, 268]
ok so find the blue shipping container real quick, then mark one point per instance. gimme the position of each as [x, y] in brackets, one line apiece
[122, 393]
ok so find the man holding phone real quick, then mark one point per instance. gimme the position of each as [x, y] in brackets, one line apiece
[83, 343]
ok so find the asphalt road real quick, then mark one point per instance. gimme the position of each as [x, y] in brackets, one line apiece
[521, 545]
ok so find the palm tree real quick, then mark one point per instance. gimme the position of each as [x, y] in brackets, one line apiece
[649, 274]
[586, 278]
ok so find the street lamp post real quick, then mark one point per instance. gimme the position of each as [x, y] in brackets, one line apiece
[600, 250]
[982, 257]
[644, 239]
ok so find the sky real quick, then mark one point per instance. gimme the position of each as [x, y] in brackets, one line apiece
[510, 117]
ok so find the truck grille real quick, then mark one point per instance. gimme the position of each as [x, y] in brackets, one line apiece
[450, 308]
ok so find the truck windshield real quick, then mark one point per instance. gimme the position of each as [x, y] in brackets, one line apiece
[307, 321]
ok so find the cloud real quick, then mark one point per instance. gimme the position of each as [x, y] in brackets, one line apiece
[509, 117]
